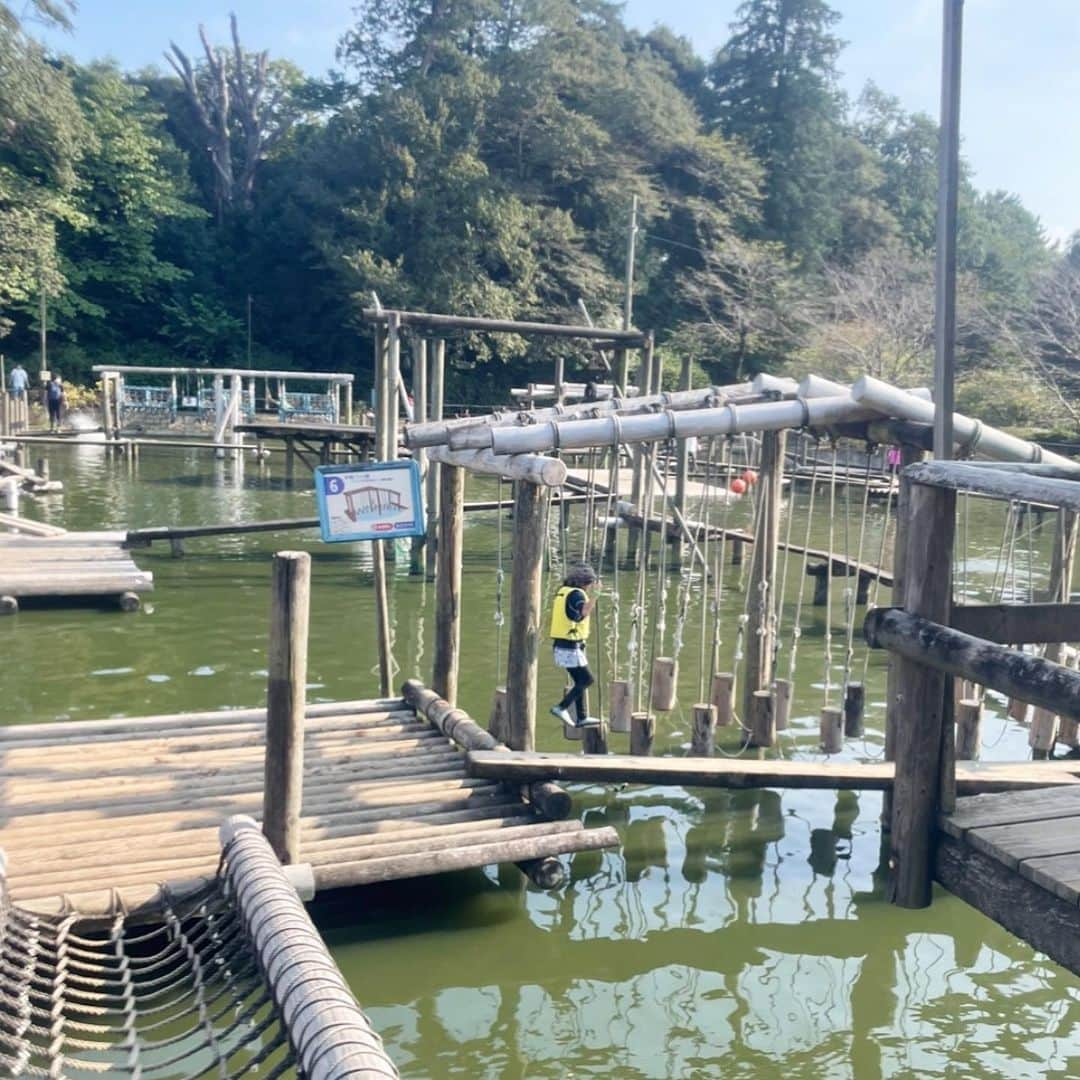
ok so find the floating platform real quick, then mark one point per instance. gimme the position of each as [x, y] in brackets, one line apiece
[312, 442]
[39, 561]
[96, 812]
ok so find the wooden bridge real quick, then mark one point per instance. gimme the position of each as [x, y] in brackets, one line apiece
[92, 812]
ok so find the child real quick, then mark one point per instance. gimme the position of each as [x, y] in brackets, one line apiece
[569, 633]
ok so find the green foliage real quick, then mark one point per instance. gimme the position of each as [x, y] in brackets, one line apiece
[480, 157]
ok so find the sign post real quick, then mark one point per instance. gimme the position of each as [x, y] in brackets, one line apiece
[379, 501]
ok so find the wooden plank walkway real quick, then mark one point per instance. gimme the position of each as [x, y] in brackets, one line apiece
[63, 565]
[1016, 857]
[91, 807]
[971, 776]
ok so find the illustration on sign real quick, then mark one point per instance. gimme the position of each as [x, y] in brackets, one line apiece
[369, 502]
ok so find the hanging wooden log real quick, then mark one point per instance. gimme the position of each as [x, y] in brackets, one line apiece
[1043, 734]
[782, 690]
[854, 704]
[723, 697]
[642, 733]
[664, 683]
[499, 724]
[1068, 732]
[703, 737]
[968, 729]
[762, 719]
[596, 738]
[1018, 710]
[533, 468]
[444, 679]
[620, 705]
[832, 729]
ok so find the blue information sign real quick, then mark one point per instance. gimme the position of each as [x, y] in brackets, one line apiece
[369, 502]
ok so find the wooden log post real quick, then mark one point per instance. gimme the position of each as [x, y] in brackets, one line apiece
[682, 467]
[736, 551]
[832, 729]
[525, 614]
[620, 705]
[663, 686]
[286, 698]
[909, 455]
[596, 739]
[438, 372]
[762, 719]
[1042, 737]
[821, 574]
[417, 562]
[642, 733]
[762, 587]
[723, 697]
[129, 602]
[854, 706]
[444, 680]
[703, 735]
[968, 729]
[923, 741]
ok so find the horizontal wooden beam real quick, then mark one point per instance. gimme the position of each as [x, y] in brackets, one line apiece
[430, 321]
[1028, 484]
[1018, 624]
[972, 778]
[1026, 678]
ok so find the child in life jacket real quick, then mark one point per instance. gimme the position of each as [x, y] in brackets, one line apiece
[569, 633]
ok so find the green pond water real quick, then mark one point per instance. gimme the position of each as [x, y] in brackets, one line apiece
[734, 934]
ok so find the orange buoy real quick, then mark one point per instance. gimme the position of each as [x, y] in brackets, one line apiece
[750, 476]
[738, 486]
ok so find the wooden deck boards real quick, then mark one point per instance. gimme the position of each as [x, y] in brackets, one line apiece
[127, 804]
[1016, 857]
[68, 564]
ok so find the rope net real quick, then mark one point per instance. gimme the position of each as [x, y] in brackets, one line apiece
[231, 980]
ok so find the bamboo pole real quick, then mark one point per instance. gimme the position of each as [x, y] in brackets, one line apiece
[285, 702]
[420, 392]
[438, 374]
[444, 678]
[682, 465]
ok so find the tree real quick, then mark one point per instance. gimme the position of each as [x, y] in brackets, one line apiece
[775, 88]
[41, 139]
[245, 105]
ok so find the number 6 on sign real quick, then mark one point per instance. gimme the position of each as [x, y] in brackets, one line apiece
[369, 502]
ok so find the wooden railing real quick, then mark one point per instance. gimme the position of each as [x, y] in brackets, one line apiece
[932, 641]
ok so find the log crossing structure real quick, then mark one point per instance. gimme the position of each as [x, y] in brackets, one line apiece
[42, 562]
[94, 812]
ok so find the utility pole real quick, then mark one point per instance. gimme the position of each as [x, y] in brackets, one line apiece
[631, 241]
[948, 198]
[43, 333]
[249, 330]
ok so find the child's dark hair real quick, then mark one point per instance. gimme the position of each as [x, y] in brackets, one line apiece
[580, 577]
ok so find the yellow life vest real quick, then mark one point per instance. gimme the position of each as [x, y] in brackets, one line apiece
[563, 627]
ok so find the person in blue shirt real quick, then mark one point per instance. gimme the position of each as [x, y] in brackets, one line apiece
[18, 381]
[569, 633]
[54, 398]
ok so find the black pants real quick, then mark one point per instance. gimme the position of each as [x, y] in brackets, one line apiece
[56, 411]
[583, 679]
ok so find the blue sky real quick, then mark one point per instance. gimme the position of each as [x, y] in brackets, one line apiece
[1021, 124]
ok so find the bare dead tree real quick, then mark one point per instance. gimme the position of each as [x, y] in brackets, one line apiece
[236, 99]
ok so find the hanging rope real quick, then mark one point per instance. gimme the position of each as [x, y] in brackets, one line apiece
[828, 574]
[851, 594]
[796, 629]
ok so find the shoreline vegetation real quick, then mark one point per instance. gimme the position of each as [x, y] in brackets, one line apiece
[225, 207]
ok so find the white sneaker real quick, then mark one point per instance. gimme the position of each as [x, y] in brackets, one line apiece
[561, 714]
[589, 721]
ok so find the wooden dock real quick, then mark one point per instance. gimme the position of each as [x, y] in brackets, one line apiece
[93, 810]
[312, 443]
[1016, 857]
[41, 561]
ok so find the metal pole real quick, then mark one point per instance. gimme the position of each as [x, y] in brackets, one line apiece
[631, 240]
[43, 316]
[249, 330]
[948, 197]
